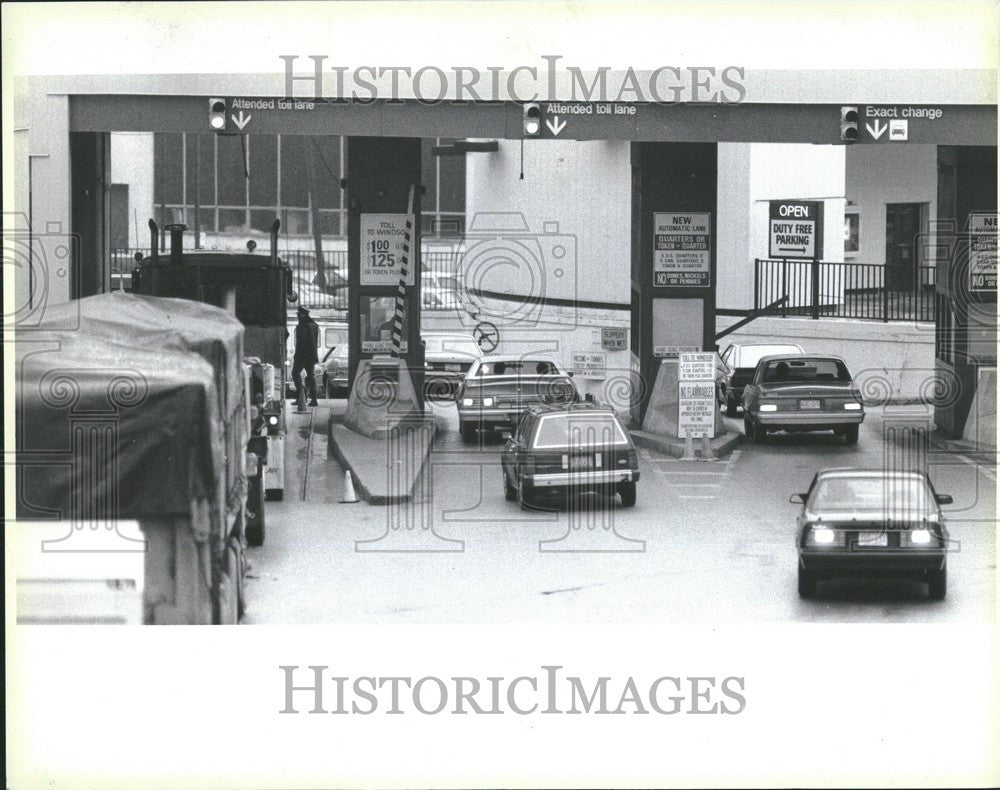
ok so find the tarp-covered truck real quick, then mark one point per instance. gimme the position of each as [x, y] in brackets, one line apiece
[136, 408]
[258, 289]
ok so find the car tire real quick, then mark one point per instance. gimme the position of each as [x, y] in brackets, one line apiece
[807, 583]
[328, 388]
[730, 406]
[509, 492]
[747, 426]
[253, 528]
[525, 495]
[759, 432]
[937, 584]
[851, 435]
[468, 431]
[626, 490]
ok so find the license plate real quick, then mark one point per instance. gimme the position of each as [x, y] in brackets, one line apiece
[808, 404]
[872, 539]
[581, 462]
[453, 367]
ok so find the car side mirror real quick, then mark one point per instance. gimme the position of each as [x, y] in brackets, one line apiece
[943, 499]
[797, 499]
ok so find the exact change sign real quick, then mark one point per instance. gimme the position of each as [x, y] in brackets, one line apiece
[382, 249]
[795, 229]
[682, 250]
[983, 253]
[696, 395]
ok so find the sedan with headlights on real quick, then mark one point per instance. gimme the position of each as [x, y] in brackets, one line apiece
[802, 392]
[872, 523]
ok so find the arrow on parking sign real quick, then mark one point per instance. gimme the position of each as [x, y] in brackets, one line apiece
[878, 130]
[556, 127]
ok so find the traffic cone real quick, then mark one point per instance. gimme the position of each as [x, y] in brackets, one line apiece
[706, 449]
[349, 494]
[688, 447]
[300, 401]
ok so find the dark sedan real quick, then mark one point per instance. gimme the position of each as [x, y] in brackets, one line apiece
[800, 392]
[572, 447]
[872, 523]
[740, 361]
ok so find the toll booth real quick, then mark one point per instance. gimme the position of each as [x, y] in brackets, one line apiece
[965, 347]
[383, 196]
[674, 197]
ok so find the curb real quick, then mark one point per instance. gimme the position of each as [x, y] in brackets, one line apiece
[361, 487]
[721, 446]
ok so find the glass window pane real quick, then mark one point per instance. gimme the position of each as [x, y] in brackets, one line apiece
[200, 173]
[428, 175]
[329, 223]
[452, 183]
[169, 167]
[325, 153]
[232, 176]
[295, 222]
[232, 220]
[263, 170]
[261, 219]
[294, 181]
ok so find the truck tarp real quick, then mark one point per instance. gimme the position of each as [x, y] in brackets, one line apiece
[120, 412]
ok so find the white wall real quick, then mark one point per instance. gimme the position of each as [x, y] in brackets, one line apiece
[132, 164]
[585, 187]
[881, 174]
[751, 175]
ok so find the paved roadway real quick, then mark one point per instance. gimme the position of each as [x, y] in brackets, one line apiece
[706, 542]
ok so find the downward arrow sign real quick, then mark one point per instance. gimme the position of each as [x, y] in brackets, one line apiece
[242, 120]
[556, 127]
[878, 130]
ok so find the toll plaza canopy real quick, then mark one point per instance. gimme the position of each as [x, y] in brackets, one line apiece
[125, 404]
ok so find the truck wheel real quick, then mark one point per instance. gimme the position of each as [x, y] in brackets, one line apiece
[807, 583]
[730, 406]
[937, 584]
[627, 492]
[468, 431]
[851, 435]
[509, 492]
[253, 527]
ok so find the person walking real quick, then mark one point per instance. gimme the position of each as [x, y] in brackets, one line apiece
[306, 356]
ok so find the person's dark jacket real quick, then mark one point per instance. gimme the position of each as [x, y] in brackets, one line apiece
[306, 342]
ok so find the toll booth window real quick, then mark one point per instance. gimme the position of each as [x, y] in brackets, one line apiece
[524, 367]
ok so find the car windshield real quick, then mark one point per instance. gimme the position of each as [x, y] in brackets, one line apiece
[749, 356]
[576, 429]
[334, 336]
[806, 370]
[871, 494]
[451, 344]
[519, 367]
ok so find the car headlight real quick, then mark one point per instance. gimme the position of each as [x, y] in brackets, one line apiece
[487, 401]
[852, 406]
[920, 536]
[467, 401]
[822, 536]
[768, 407]
[272, 420]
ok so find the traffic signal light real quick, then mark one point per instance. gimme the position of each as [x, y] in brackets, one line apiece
[217, 114]
[532, 119]
[848, 124]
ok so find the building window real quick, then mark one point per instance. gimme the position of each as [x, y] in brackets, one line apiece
[852, 225]
[295, 178]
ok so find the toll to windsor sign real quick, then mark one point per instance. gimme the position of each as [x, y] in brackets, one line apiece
[796, 229]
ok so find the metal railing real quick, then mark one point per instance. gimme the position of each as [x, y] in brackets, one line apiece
[835, 289]
[441, 278]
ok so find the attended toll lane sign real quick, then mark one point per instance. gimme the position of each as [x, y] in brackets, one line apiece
[796, 229]
[682, 250]
[983, 253]
[382, 249]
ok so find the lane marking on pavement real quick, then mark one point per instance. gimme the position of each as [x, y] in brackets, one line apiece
[309, 438]
[980, 467]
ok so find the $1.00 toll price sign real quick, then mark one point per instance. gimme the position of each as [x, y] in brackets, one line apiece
[382, 249]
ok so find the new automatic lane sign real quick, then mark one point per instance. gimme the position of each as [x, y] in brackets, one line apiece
[682, 250]
[983, 253]
[796, 229]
